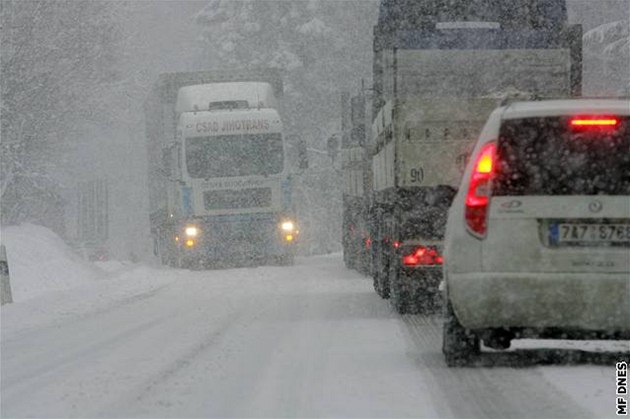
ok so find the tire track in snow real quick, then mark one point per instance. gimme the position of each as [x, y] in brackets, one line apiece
[262, 361]
[24, 371]
[480, 392]
[77, 312]
[198, 356]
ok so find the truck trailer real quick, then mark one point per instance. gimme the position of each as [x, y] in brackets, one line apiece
[357, 181]
[220, 189]
[438, 72]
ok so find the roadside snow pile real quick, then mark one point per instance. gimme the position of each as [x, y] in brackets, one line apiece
[315, 28]
[41, 262]
[114, 266]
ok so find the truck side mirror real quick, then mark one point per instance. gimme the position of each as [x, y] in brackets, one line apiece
[172, 162]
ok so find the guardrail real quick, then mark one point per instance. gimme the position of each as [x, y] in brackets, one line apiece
[5, 285]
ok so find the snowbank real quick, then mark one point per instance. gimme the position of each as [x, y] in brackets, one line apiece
[41, 262]
[315, 27]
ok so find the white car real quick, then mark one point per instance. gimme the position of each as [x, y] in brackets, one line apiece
[538, 237]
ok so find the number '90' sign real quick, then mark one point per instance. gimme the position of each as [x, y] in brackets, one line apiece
[417, 175]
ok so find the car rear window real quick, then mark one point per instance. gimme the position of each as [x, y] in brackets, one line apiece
[549, 156]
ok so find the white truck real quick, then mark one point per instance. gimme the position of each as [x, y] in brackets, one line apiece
[438, 73]
[220, 188]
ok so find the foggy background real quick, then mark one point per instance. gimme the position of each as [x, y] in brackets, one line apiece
[75, 76]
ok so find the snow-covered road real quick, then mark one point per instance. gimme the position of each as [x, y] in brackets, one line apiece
[312, 340]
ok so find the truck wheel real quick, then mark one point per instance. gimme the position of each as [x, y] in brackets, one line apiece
[162, 251]
[287, 259]
[375, 284]
[380, 290]
[381, 286]
[379, 274]
[459, 345]
[348, 259]
[169, 259]
[381, 281]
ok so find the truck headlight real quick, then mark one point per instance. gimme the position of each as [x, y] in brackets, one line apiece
[191, 231]
[287, 226]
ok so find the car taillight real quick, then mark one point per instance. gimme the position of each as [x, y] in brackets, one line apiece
[422, 255]
[478, 194]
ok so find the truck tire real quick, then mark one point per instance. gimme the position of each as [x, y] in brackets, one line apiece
[380, 274]
[286, 260]
[459, 345]
[179, 262]
[348, 259]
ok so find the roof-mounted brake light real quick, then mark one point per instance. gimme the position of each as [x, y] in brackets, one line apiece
[594, 121]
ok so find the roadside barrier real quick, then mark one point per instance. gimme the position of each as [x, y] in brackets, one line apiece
[5, 284]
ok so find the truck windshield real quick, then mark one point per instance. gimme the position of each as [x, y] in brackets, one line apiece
[234, 155]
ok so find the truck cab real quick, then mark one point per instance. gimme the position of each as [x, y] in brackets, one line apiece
[228, 189]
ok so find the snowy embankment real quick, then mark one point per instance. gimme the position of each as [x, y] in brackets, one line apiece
[54, 283]
[40, 262]
[311, 340]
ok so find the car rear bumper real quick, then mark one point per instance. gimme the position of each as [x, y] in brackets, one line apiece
[591, 302]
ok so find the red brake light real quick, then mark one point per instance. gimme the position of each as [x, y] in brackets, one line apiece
[597, 122]
[478, 194]
[422, 256]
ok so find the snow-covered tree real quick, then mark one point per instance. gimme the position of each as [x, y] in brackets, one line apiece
[607, 53]
[54, 53]
[322, 48]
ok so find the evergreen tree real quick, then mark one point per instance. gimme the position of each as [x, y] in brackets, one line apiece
[54, 54]
[323, 48]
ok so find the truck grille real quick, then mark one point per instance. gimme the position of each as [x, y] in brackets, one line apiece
[242, 198]
[230, 234]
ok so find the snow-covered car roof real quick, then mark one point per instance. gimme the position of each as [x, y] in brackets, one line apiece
[566, 107]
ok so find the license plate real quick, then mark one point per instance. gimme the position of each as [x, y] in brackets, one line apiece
[569, 233]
